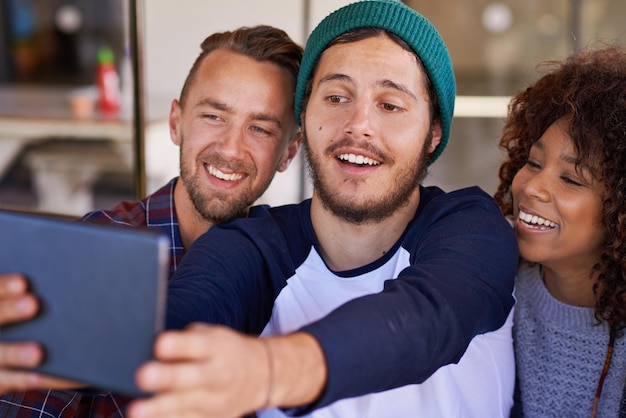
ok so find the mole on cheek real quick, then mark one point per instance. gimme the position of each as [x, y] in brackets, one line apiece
[319, 129]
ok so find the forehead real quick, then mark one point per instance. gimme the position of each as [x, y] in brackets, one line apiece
[376, 57]
[223, 67]
[244, 83]
[557, 140]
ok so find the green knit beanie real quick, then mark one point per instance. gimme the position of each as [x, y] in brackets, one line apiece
[397, 18]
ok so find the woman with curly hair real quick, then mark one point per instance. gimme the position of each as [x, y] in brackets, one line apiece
[564, 188]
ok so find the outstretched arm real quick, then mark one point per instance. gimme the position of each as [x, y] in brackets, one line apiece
[213, 371]
[463, 258]
[459, 284]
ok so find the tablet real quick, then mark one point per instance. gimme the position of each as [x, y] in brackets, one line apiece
[102, 291]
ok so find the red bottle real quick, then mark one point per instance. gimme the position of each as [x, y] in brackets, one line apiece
[108, 81]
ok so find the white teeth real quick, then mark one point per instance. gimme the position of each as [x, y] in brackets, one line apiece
[535, 220]
[358, 159]
[223, 176]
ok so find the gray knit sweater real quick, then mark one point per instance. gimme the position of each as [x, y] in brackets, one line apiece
[560, 353]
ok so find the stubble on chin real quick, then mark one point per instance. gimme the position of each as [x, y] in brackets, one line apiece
[379, 206]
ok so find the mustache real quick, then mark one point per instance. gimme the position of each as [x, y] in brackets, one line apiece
[366, 146]
[217, 160]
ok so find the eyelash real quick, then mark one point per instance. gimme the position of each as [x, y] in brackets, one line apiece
[335, 98]
[258, 129]
[571, 181]
[387, 106]
[566, 179]
[255, 129]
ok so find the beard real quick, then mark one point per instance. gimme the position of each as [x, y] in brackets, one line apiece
[213, 205]
[379, 207]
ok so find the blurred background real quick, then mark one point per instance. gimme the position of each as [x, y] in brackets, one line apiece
[63, 152]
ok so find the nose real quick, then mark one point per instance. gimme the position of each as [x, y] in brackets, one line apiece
[537, 186]
[358, 120]
[232, 141]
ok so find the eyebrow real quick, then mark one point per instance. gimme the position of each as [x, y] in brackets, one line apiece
[335, 77]
[224, 107]
[570, 159]
[386, 83]
[400, 87]
[214, 104]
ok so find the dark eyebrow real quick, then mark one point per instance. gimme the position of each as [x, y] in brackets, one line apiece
[570, 159]
[254, 116]
[335, 76]
[267, 118]
[214, 104]
[382, 83]
[400, 87]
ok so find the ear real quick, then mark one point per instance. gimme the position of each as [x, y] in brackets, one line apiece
[290, 152]
[437, 133]
[174, 122]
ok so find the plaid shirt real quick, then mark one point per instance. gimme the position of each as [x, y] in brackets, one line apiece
[156, 212]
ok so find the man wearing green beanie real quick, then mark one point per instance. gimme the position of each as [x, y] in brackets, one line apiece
[377, 297]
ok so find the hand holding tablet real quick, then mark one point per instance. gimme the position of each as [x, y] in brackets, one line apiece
[101, 292]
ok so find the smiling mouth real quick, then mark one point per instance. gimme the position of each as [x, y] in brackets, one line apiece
[534, 221]
[358, 159]
[215, 172]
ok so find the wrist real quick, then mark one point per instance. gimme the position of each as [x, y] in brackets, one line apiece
[270, 373]
[296, 370]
